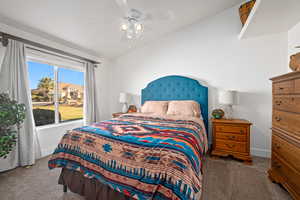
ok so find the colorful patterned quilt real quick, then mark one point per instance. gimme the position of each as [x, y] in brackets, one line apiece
[139, 156]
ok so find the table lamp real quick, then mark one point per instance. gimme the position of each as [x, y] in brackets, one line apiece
[227, 98]
[124, 100]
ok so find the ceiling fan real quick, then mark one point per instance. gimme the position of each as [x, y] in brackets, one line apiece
[133, 21]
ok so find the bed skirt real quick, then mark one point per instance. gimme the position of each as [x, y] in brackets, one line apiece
[91, 189]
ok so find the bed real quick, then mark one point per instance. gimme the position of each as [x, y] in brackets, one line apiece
[139, 156]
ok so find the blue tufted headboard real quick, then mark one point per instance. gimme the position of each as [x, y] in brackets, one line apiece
[178, 88]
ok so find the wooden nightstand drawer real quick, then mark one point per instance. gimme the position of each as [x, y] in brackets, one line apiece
[285, 87]
[231, 129]
[231, 137]
[231, 146]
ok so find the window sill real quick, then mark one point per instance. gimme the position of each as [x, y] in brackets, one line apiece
[59, 125]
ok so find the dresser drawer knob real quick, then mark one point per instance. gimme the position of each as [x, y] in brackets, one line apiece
[277, 164]
[277, 146]
[241, 131]
[230, 145]
[232, 137]
[281, 88]
[278, 119]
[278, 103]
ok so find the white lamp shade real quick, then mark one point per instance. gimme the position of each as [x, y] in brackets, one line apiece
[226, 97]
[123, 97]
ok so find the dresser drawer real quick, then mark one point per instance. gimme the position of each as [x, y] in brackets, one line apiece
[287, 121]
[291, 176]
[287, 103]
[231, 137]
[285, 87]
[286, 150]
[231, 129]
[297, 86]
[231, 146]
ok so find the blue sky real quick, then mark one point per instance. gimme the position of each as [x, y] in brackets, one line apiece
[39, 70]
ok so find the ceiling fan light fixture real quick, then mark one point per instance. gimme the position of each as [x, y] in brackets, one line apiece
[124, 27]
[132, 28]
[138, 27]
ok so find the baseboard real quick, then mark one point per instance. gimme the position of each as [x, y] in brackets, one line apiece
[261, 152]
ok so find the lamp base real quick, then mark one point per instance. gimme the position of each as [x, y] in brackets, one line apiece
[229, 114]
[125, 108]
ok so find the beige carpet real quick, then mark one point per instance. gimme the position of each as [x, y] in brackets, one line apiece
[224, 179]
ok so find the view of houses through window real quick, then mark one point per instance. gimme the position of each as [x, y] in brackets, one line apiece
[57, 93]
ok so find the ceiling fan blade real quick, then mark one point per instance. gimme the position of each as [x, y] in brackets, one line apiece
[147, 17]
[123, 4]
[168, 15]
[159, 16]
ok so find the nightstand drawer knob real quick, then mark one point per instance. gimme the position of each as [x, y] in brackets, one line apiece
[231, 137]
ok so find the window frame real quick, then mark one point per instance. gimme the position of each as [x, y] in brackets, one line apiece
[56, 102]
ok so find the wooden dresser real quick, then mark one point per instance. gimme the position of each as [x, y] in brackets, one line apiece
[231, 137]
[285, 164]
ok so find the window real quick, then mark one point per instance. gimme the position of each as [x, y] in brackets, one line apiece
[70, 94]
[57, 93]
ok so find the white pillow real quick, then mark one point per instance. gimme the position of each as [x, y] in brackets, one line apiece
[157, 107]
[185, 108]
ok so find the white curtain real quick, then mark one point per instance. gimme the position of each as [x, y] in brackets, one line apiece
[90, 94]
[14, 80]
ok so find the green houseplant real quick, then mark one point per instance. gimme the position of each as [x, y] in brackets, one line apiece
[12, 115]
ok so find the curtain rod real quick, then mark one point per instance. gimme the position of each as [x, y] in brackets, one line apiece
[6, 36]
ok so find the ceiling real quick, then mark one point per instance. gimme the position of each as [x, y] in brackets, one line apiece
[94, 25]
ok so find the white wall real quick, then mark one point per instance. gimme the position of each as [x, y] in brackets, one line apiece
[293, 40]
[210, 52]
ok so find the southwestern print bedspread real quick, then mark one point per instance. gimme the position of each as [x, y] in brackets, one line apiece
[139, 156]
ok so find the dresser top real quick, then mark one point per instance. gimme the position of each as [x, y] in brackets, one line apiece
[288, 76]
[232, 121]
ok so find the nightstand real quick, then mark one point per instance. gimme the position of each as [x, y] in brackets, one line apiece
[114, 115]
[232, 137]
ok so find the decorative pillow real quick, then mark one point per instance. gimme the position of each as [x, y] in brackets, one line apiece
[186, 108]
[157, 107]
